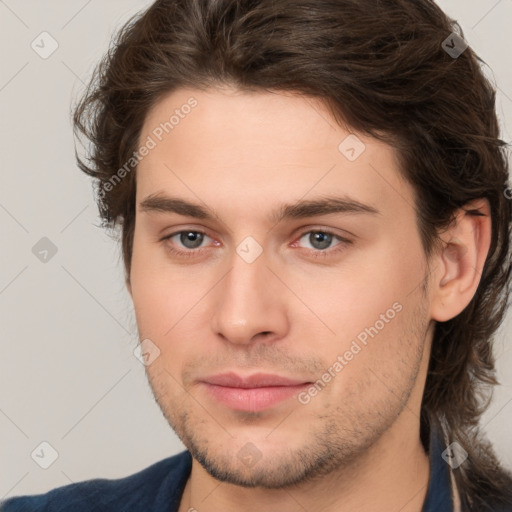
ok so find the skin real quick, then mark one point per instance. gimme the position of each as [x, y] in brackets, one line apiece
[355, 445]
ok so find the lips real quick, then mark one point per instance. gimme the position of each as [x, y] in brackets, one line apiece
[259, 380]
[251, 393]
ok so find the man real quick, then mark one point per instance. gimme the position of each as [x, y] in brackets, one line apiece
[316, 241]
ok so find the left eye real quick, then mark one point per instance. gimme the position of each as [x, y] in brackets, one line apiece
[320, 240]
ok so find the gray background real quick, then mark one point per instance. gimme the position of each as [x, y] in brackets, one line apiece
[68, 375]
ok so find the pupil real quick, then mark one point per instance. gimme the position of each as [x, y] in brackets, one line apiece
[191, 239]
[323, 238]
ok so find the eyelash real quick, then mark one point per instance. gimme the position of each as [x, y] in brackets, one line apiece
[316, 253]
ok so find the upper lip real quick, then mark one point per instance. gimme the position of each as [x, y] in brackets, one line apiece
[257, 380]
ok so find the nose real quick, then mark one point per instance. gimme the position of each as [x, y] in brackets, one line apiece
[250, 303]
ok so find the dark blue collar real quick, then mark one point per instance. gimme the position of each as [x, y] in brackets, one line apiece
[438, 497]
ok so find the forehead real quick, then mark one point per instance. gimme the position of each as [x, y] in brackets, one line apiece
[249, 149]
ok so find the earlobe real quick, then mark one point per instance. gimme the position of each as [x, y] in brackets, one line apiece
[460, 260]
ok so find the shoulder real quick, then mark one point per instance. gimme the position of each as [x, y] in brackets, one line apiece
[147, 490]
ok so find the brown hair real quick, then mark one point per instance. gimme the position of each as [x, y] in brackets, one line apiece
[381, 68]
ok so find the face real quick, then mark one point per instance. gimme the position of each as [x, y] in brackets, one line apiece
[278, 273]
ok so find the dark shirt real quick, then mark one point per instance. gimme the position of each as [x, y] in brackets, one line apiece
[159, 487]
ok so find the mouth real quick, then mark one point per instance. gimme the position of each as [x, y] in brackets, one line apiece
[252, 393]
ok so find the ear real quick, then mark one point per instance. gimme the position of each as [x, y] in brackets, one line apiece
[459, 263]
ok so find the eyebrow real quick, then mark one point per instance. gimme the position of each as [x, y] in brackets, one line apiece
[301, 209]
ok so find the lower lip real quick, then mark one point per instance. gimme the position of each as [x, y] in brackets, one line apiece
[253, 399]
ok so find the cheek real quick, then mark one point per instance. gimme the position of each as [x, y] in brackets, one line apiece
[165, 307]
[376, 309]
[159, 296]
[369, 287]
[375, 367]
[169, 308]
